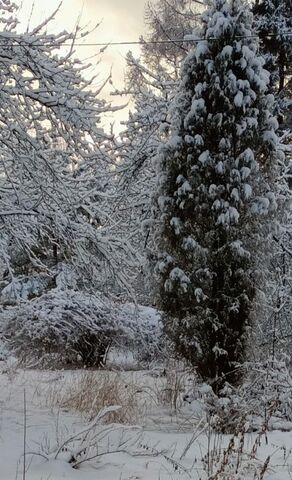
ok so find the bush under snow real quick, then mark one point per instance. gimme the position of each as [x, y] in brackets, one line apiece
[62, 326]
[71, 327]
[142, 329]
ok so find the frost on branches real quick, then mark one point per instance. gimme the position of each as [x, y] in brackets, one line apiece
[273, 21]
[150, 82]
[52, 161]
[70, 327]
[58, 328]
[55, 231]
[215, 200]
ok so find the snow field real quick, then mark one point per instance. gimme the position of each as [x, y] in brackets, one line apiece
[161, 444]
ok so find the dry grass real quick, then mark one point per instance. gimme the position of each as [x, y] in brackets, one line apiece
[236, 460]
[172, 391]
[143, 396]
[92, 391]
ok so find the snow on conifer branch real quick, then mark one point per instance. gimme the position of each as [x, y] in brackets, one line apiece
[216, 199]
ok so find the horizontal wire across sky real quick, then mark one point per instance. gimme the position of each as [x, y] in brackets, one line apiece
[138, 42]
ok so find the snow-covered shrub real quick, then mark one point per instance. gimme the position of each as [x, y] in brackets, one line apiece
[142, 331]
[62, 326]
[263, 399]
[66, 326]
[24, 287]
[269, 387]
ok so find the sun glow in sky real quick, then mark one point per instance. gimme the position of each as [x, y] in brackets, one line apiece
[120, 20]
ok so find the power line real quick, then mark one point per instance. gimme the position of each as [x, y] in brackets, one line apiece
[138, 42]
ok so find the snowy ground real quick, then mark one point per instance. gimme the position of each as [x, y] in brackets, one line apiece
[161, 446]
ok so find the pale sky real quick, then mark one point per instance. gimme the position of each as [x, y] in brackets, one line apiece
[122, 20]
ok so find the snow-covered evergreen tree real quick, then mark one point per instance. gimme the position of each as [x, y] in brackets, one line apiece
[215, 194]
[273, 21]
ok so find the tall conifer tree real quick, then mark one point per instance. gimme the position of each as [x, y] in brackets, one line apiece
[215, 199]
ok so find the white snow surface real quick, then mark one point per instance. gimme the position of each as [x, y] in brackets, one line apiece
[158, 450]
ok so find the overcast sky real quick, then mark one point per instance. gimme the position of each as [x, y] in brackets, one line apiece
[121, 20]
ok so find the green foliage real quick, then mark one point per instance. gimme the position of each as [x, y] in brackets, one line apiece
[215, 198]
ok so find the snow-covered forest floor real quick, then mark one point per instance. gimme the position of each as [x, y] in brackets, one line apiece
[147, 439]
